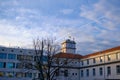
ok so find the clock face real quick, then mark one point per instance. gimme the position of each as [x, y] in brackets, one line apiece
[70, 45]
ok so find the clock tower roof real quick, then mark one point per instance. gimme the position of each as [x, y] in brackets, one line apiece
[69, 41]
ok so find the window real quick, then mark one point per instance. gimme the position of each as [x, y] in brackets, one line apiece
[75, 62]
[27, 57]
[20, 51]
[3, 50]
[28, 66]
[75, 73]
[2, 64]
[57, 72]
[101, 71]
[2, 74]
[3, 56]
[94, 72]
[87, 61]
[34, 75]
[108, 70]
[117, 55]
[82, 73]
[118, 69]
[18, 57]
[65, 62]
[11, 56]
[12, 50]
[72, 73]
[108, 57]
[101, 59]
[66, 73]
[19, 74]
[82, 62]
[19, 65]
[28, 75]
[94, 61]
[87, 72]
[10, 74]
[10, 65]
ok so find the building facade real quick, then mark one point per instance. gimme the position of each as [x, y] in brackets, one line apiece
[11, 67]
[103, 65]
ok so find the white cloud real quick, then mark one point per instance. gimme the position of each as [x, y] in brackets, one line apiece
[103, 12]
[66, 11]
[20, 25]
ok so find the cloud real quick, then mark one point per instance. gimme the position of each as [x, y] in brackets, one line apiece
[66, 11]
[104, 13]
[92, 30]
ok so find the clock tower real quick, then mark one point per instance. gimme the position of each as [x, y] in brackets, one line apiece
[68, 46]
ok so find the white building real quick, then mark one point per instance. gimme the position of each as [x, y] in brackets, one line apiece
[11, 67]
[103, 65]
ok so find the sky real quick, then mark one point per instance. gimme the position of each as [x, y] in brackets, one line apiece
[94, 24]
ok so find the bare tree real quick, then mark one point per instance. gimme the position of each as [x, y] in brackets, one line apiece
[45, 48]
[48, 68]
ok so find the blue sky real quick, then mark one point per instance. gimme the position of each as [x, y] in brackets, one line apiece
[95, 24]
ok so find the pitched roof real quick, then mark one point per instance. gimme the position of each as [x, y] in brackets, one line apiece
[69, 41]
[68, 55]
[102, 52]
[78, 56]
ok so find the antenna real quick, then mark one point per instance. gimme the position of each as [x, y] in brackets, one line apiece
[73, 39]
[69, 36]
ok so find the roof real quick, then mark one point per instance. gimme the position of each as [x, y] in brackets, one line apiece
[69, 41]
[102, 52]
[78, 56]
[68, 55]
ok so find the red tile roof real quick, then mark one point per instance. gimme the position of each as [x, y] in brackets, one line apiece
[68, 55]
[78, 56]
[102, 52]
